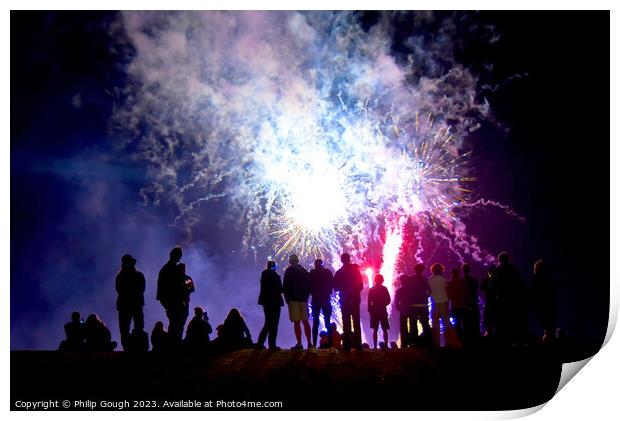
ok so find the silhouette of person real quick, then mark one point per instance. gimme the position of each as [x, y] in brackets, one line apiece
[472, 320]
[489, 303]
[438, 286]
[75, 334]
[296, 287]
[130, 286]
[543, 300]
[348, 281]
[233, 333]
[173, 293]
[459, 297]
[418, 310]
[511, 324]
[159, 338]
[97, 335]
[270, 297]
[198, 331]
[378, 300]
[138, 341]
[324, 340]
[321, 285]
[402, 298]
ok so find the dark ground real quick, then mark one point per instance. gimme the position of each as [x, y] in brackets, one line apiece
[403, 379]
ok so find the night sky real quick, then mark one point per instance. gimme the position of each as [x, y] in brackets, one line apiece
[76, 207]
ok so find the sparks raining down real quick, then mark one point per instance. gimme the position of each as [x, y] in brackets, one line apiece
[313, 132]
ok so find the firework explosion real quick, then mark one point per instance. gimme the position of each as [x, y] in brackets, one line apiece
[319, 138]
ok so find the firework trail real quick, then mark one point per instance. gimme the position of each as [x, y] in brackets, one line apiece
[318, 137]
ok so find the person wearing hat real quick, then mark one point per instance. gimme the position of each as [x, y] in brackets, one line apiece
[130, 286]
[296, 290]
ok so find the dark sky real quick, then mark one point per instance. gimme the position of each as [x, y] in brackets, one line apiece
[75, 209]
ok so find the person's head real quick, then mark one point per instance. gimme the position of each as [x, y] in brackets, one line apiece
[503, 258]
[437, 269]
[176, 254]
[379, 279]
[75, 316]
[271, 265]
[233, 315]
[455, 273]
[333, 326]
[323, 334]
[539, 267]
[466, 269]
[93, 319]
[159, 326]
[128, 262]
[419, 269]
[181, 268]
[318, 264]
[293, 260]
[345, 258]
[198, 311]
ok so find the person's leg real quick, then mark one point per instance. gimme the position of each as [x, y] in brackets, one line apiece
[138, 319]
[327, 315]
[307, 332]
[274, 320]
[265, 330]
[124, 320]
[404, 335]
[316, 319]
[435, 322]
[346, 325]
[355, 315]
[297, 328]
[384, 327]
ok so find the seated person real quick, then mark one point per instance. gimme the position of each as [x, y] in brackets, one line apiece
[198, 331]
[75, 334]
[97, 335]
[159, 338]
[234, 333]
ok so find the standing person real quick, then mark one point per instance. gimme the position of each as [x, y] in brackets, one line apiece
[321, 285]
[172, 296]
[130, 285]
[418, 310]
[270, 297]
[348, 280]
[402, 298]
[296, 292]
[378, 300]
[438, 286]
[472, 327]
[543, 300]
[488, 310]
[459, 297]
[511, 312]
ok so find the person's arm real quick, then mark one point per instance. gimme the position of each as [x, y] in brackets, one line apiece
[142, 284]
[389, 299]
[246, 330]
[330, 280]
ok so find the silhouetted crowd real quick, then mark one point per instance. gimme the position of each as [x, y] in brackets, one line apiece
[461, 307]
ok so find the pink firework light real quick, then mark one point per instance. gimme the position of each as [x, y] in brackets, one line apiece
[391, 248]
